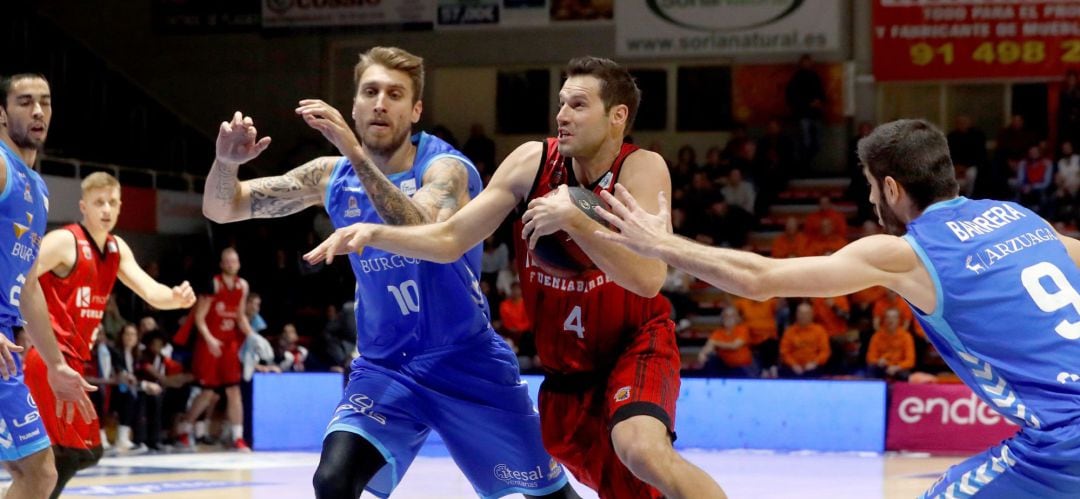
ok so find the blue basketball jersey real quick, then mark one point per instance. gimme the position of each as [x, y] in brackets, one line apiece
[23, 210]
[1007, 318]
[405, 305]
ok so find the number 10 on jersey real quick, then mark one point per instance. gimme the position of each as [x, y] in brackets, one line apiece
[407, 296]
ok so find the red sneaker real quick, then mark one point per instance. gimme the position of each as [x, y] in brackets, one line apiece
[241, 445]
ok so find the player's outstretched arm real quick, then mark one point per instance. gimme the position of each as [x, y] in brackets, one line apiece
[69, 387]
[871, 261]
[158, 295]
[445, 241]
[445, 184]
[227, 199]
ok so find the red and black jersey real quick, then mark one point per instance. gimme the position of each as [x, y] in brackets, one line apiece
[77, 301]
[583, 322]
[224, 315]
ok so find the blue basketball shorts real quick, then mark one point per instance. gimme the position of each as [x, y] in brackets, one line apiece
[22, 432]
[1042, 464]
[473, 396]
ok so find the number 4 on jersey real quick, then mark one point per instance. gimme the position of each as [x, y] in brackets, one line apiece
[573, 322]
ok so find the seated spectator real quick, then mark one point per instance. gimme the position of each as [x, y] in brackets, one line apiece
[725, 225]
[892, 350]
[727, 352]
[699, 196]
[812, 224]
[254, 304]
[131, 392]
[290, 354]
[1034, 177]
[159, 406]
[714, 167]
[1067, 177]
[792, 242]
[517, 327]
[832, 314]
[892, 300]
[684, 167]
[738, 192]
[112, 321]
[804, 347]
[828, 241]
[760, 317]
[1015, 139]
[337, 342]
[100, 372]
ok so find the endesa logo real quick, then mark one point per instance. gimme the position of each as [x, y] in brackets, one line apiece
[964, 411]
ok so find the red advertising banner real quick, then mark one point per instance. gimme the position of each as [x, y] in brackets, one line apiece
[974, 39]
[942, 418]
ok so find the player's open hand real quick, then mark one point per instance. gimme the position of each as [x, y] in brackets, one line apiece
[346, 240]
[70, 389]
[183, 295]
[329, 122]
[236, 140]
[638, 229]
[8, 368]
[548, 215]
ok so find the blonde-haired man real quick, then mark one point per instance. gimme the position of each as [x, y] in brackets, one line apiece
[77, 267]
[431, 359]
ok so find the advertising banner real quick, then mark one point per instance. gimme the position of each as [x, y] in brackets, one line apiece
[974, 39]
[661, 28]
[327, 13]
[942, 418]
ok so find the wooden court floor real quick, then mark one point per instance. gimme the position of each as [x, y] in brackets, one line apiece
[278, 475]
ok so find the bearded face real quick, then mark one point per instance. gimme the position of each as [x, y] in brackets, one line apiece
[887, 217]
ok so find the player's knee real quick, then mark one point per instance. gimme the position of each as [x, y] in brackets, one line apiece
[645, 450]
[40, 477]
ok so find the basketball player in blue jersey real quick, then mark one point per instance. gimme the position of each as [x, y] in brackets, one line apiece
[25, 114]
[430, 359]
[992, 283]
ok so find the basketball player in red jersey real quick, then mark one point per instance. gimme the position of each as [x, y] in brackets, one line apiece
[607, 405]
[77, 267]
[223, 326]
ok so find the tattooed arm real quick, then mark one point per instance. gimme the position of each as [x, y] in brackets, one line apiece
[445, 189]
[227, 199]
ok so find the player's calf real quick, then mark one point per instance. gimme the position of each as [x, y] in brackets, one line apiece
[643, 444]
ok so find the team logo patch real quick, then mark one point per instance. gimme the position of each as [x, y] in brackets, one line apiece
[82, 297]
[622, 394]
[554, 470]
[353, 211]
[20, 229]
[605, 181]
[86, 252]
[27, 195]
[111, 247]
